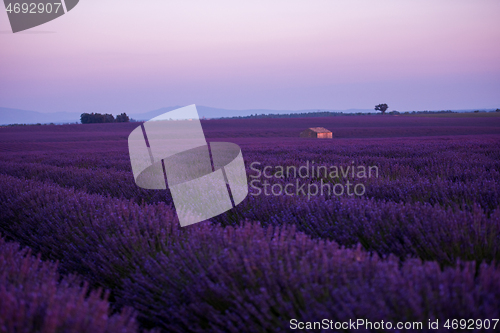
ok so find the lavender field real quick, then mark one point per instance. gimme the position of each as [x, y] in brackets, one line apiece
[86, 250]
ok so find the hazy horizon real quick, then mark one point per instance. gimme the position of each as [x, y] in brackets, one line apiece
[120, 56]
[257, 109]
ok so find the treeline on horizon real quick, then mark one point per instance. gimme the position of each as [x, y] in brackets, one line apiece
[334, 114]
[95, 118]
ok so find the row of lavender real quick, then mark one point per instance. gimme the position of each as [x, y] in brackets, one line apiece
[483, 190]
[455, 181]
[34, 298]
[459, 172]
[237, 279]
[451, 156]
[403, 229]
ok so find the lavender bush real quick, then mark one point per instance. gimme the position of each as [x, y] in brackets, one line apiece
[190, 277]
[34, 298]
[250, 279]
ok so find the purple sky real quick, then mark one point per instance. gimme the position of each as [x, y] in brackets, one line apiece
[136, 56]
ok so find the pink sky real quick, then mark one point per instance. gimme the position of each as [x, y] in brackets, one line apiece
[123, 55]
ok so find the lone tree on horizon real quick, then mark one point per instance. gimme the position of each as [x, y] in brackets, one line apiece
[381, 107]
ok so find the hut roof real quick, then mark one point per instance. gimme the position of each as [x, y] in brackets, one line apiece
[320, 130]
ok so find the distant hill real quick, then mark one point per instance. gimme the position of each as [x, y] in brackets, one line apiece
[209, 112]
[17, 116]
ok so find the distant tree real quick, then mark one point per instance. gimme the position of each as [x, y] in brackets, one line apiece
[122, 118]
[108, 118]
[381, 107]
[96, 118]
[93, 118]
[85, 118]
[497, 110]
